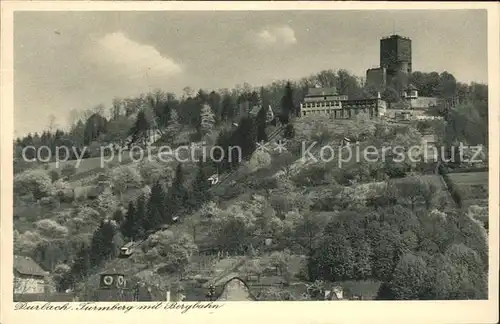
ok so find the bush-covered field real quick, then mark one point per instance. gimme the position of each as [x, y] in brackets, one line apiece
[469, 188]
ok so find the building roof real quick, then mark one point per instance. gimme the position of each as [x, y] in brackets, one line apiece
[395, 36]
[27, 266]
[411, 86]
[331, 296]
[254, 110]
[380, 68]
[316, 92]
[236, 289]
[111, 273]
[129, 245]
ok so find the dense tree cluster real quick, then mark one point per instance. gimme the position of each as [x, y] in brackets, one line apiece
[416, 252]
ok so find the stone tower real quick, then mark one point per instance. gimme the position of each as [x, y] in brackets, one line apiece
[395, 55]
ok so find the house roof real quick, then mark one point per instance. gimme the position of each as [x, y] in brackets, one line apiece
[236, 292]
[111, 273]
[411, 86]
[128, 245]
[255, 110]
[332, 296]
[27, 266]
[315, 92]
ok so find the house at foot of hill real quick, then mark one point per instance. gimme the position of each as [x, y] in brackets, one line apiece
[31, 283]
[29, 277]
[327, 101]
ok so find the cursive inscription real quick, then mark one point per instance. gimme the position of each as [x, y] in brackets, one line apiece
[121, 307]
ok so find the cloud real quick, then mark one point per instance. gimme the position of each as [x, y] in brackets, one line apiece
[271, 36]
[132, 59]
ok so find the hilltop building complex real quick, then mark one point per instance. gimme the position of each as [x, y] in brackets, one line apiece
[328, 102]
[395, 67]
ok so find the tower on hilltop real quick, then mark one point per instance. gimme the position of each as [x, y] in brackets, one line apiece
[395, 55]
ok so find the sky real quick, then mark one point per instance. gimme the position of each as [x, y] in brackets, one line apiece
[66, 61]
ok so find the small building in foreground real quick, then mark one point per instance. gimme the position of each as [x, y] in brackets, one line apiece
[235, 289]
[29, 277]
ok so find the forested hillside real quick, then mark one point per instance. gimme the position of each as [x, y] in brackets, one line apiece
[394, 225]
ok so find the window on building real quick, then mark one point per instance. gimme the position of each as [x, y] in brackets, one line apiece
[40, 286]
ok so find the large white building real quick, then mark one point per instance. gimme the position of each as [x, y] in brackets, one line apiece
[321, 101]
[326, 101]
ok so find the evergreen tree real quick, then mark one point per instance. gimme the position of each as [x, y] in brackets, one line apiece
[223, 141]
[163, 113]
[95, 125]
[173, 126]
[130, 226]
[141, 127]
[254, 99]
[141, 212]
[156, 214]
[246, 137]
[177, 195]
[289, 131]
[227, 111]
[118, 216]
[207, 120]
[264, 97]
[287, 105]
[261, 125]
[200, 188]
[81, 266]
[101, 247]
[214, 100]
